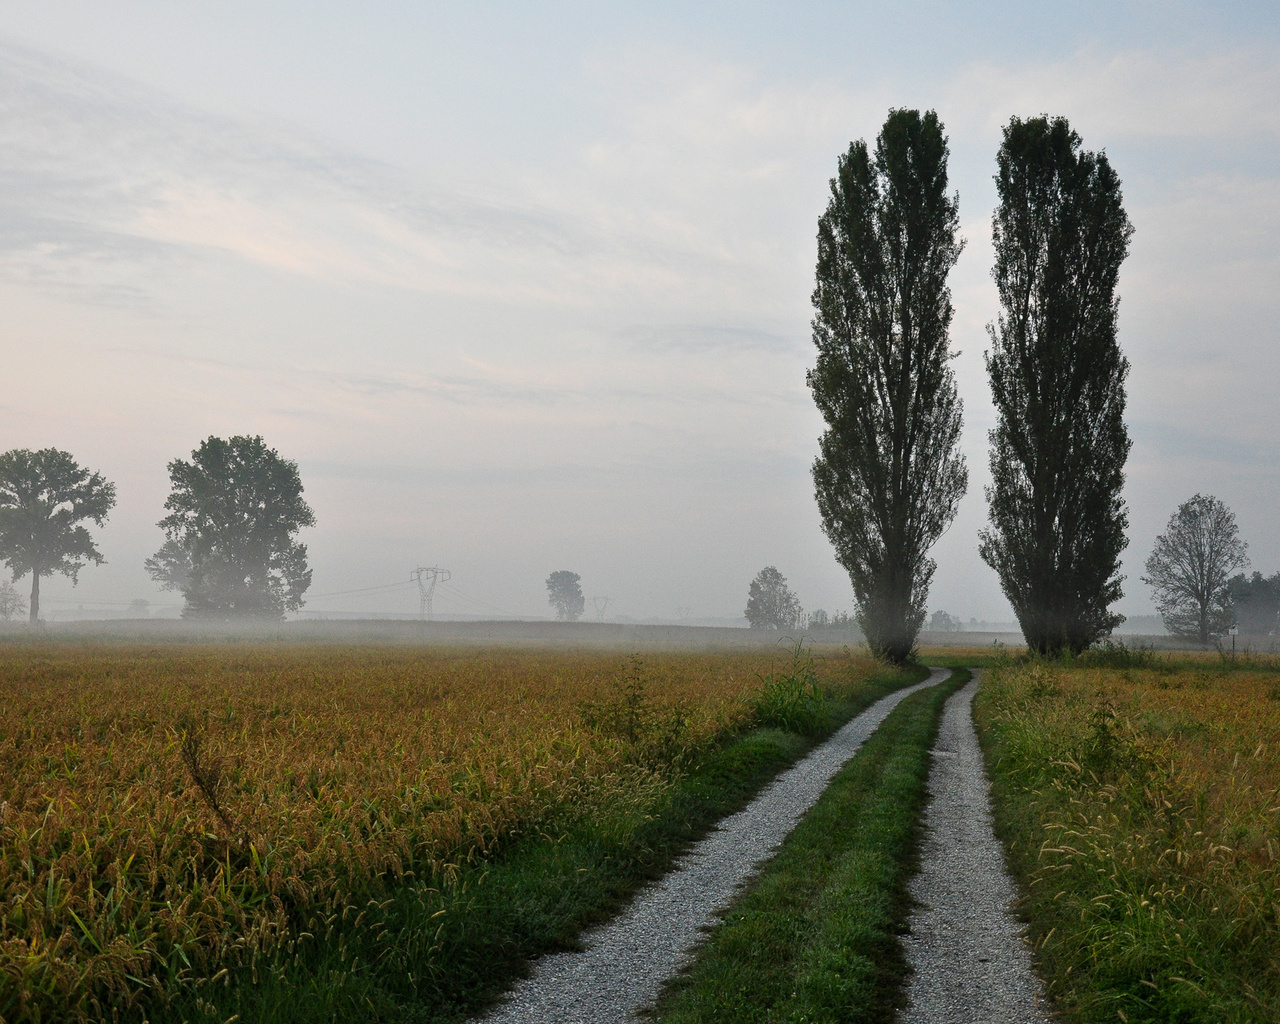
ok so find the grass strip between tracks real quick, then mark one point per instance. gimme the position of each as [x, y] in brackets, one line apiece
[475, 936]
[815, 937]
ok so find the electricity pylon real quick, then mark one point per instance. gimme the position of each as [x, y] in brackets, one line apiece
[601, 604]
[427, 578]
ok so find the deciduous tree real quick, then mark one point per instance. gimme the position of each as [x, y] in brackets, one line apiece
[770, 602]
[889, 476]
[564, 594]
[230, 547]
[1058, 381]
[45, 497]
[1190, 566]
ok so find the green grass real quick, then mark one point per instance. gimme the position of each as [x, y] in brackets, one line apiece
[1139, 810]
[441, 950]
[815, 937]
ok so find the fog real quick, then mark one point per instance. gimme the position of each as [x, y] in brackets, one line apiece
[524, 292]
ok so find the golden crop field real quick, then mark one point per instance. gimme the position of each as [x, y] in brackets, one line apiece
[168, 813]
[1142, 807]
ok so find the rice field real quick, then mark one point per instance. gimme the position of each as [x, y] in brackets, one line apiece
[1141, 807]
[171, 815]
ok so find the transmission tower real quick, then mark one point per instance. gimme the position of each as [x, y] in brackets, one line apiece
[427, 578]
[601, 604]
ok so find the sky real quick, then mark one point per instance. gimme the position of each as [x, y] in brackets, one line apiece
[526, 287]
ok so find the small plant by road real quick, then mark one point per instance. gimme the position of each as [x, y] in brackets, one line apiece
[792, 698]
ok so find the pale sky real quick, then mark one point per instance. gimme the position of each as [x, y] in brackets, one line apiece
[526, 287]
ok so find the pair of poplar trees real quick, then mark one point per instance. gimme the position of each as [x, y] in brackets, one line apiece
[889, 475]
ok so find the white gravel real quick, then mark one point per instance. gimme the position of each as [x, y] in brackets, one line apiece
[966, 949]
[624, 963]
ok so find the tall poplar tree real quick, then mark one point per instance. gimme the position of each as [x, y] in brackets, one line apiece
[888, 476]
[1058, 381]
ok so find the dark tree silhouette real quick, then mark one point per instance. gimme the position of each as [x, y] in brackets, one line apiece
[888, 477]
[770, 602]
[230, 547]
[564, 594]
[1190, 567]
[45, 496]
[1057, 378]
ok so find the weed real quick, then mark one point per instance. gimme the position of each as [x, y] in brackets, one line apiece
[1116, 654]
[792, 698]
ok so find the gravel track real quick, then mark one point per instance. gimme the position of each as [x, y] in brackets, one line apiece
[624, 963]
[966, 949]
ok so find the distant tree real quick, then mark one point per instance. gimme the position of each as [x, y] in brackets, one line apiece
[11, 602]
[1190, 566]
[44, 497]
[819, 619]
[770, 602]
[1255, 602]
[1058, 381]
[889, 475]
[230, 549]
[564, 594]
[942, 622]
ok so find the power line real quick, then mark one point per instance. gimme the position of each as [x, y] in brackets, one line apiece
[453, 591]
[362, 590]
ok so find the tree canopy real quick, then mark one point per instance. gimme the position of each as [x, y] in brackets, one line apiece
[564, 594]
[230, 547]
[770, 602]
[1058, 383]
[889, 475]
[45, 498]
[1190, 567]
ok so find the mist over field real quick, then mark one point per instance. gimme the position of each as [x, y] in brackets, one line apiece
[528, 290]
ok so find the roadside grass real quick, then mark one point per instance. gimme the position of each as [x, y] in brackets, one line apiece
[815, 938]
[318, 834]
[1139, 801]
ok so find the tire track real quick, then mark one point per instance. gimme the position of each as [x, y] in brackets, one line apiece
[624, 963]
[969, 960]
